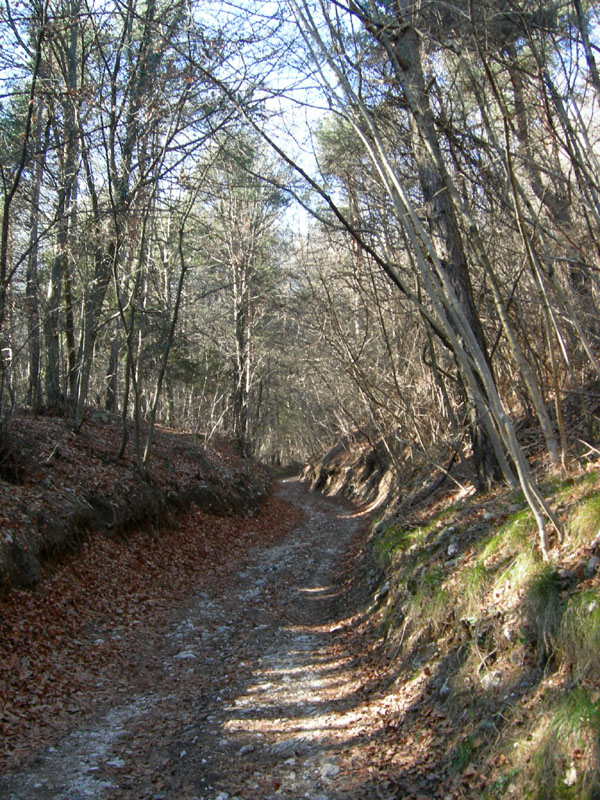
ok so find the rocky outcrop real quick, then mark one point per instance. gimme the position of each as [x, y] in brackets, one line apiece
[358, 467]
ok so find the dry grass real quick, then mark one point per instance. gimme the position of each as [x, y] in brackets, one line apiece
[579, 637]
[584, 523]
[543, 609]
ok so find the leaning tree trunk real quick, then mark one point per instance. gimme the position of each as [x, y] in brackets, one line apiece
[110, 398]
[443, 226]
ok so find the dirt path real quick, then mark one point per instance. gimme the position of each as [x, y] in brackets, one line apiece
[250, 694]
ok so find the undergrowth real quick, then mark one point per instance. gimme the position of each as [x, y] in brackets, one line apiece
[579, 639]
[566, 762]
[512, 535]
[475, 586]
[584, 524]
[543, 609]
[517, 639]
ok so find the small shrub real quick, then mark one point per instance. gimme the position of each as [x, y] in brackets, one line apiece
[462, 754]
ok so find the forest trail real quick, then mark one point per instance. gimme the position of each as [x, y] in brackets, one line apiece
[251, 692]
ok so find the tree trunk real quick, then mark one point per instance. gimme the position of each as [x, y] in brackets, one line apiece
[166, 351]
[111, 395]
[34, 383]
[11, 183]
[587, 46]
[54, 395]
[89, 330]
[555, 198]
[443, 227]
[61, 280]
[242, 367]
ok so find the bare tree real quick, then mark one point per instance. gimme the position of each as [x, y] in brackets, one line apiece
[12, 170]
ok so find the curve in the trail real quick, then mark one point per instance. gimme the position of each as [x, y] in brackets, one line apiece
[254, 696]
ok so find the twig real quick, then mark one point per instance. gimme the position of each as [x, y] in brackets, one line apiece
[592, 448]
[401, 640]
[482, 658]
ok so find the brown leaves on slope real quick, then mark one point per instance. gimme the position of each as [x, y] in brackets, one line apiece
[56, 484]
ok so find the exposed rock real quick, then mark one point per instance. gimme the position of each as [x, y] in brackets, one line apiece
[490, 680]
[591, 567]
[359, 467]
[329, 770]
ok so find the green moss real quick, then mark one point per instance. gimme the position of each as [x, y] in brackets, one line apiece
[397, 538]
[392, 539]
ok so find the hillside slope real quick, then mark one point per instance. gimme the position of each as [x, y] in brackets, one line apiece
[56, 486]
[490, 656]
